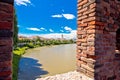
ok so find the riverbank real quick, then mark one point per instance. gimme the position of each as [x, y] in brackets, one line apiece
[73, 75]
[47, 61]
[17, 53]
[16, 58]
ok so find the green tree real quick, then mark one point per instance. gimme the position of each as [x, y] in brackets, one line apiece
[15, 33]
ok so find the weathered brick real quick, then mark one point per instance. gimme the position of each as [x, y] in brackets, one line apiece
[79, 15]
[6, 33]
[89, 3]
[90, 31]
[89, 19]
[5, 57]
[82, 17]
[83, 25]
[82, 70]
[90, 74]
[82, 10]
[92, 14]
[93, 5]
[81, 32]
[6, 41]
[5, 64]
[79, 50]
[79, 36]
[8, 8]
[81, 47]
[82, 40]
[82, 2]
[82, 54]
[80, 7]
[5, 73]
[6, 17]
[84, 44]
[87, 67]
[89, 11]
[5, 49]
[98, 39]
[6, 25]
[91, 22]
[90, 27]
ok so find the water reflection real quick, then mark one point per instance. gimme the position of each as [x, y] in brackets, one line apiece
[30, 69]
[47, 61]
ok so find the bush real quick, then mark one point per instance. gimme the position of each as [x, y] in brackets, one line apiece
[16, 58]
[30, 45]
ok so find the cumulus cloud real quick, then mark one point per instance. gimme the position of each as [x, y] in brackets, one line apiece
[23, 2]
[51, 30]
[33, 29]
[71, 35]
[57, 16]
[43, 29]
[67, 16]
[67, 28]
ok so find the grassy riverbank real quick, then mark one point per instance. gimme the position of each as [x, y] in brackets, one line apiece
[19, 51]
[16, 58]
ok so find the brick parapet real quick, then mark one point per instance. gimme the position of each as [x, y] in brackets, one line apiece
[86, 37]
[98, 21]
[6, 32]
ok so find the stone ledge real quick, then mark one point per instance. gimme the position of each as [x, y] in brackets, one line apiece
[73, 75]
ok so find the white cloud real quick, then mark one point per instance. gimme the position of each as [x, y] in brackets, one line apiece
[51, 30]
[23, 2]
[68, 16]
[33, 29]
[71, 35]
[68, 28]
[61, 31]
[43, 29]
[57, 16]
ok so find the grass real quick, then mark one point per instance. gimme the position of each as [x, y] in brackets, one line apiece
[16, 58]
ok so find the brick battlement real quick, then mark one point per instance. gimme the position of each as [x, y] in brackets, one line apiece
[98, 38]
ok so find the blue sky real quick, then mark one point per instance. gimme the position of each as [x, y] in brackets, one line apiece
[47, 18]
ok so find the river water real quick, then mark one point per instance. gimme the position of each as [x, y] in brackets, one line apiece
[47, 61]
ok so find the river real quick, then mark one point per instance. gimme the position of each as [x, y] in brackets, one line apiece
[47, 61]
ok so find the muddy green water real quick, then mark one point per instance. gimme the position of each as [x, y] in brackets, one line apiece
[46, 61]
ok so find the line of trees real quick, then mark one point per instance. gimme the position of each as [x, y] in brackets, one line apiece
[15, 33]
[39, 42]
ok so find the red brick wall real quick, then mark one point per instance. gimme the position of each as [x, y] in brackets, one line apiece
[6, 32]
[118, 39]
[98, 21]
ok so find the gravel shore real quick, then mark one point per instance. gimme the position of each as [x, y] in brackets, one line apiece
[73, 75]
